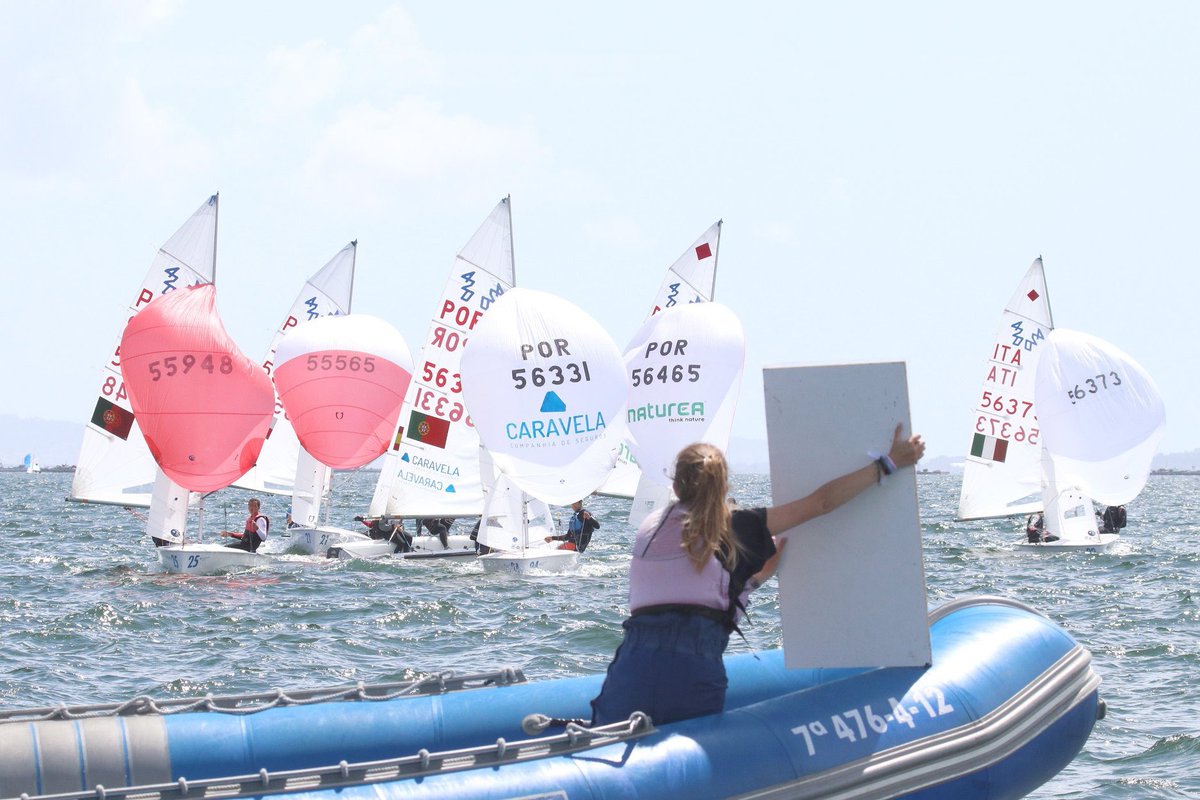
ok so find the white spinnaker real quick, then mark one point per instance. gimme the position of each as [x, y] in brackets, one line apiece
[543, 381]
[1101, 414]
[279, 468]
[691, 279]
[1003, 472]
[114, 465]
[685, 372]
[432, 468]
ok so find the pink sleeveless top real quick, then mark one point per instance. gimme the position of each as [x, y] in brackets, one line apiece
[661, 571]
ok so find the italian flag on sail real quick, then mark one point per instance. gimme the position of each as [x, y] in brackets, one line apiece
[989, 448]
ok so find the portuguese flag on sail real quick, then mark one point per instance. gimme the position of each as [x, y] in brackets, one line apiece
[428, 430]
[989, 448]
[112, 418]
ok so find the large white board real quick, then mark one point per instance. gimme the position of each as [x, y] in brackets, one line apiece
[851, 583]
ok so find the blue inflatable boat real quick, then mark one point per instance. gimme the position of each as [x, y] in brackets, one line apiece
[1009, 700]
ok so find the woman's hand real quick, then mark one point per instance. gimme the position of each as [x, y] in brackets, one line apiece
[906, 452]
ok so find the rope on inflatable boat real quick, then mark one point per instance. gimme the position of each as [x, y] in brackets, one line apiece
[437, 683]
[574, 739]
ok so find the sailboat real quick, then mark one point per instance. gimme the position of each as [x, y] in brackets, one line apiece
[685, 370]
[1003, 471]
[204, 409]
[114, 466]
[544, 382]
[432, 469]
[514, 527]
[1008, 471]
[691, 279]
[31, 464]
[342, 380]
[1101, 418]
[283, 467]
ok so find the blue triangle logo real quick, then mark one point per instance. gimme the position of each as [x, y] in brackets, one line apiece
[404, 457]
[450, 488]
[552, 403]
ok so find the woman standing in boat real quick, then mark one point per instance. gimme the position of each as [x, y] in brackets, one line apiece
[693, 567]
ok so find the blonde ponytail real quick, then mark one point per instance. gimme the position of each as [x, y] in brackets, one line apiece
[702, 482]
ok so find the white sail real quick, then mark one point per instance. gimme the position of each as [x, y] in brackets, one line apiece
[513, 521]
[693, 276]
[1101, 415]
[1003, 473]
[432, 468]
[543, 381]
[114, 465]
[685, 372]
[167, 520]
[312, 484]
[691, 279]
[327, 293]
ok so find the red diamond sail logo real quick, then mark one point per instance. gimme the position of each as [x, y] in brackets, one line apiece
[703, 251]
[1033, 295]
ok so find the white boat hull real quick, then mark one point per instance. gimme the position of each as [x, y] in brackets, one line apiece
[535, 560]
[423, 547]
[317, 541]
[206, 559]
[1098, 545]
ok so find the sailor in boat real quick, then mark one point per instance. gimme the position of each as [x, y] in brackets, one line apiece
[1035, 529]
[1112, 520]
[580, 528]
[437, 526]
[255, 531]
[481, 549]
[694, 565]
[389, 529]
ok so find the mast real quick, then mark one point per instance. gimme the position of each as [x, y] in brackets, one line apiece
[353, 266]
[524, 500]
[712, 290]
[1046, 286]
[511, 245]
[216, 201]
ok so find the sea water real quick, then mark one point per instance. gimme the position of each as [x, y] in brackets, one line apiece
[88, 616]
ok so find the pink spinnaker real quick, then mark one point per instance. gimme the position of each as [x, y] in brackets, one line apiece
[342, 380]
[203, 406]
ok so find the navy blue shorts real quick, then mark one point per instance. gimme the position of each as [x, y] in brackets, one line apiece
[670, 665]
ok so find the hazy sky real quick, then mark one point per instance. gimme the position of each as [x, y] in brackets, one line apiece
[886, 171]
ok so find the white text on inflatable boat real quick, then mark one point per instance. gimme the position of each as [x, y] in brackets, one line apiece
[860, 723]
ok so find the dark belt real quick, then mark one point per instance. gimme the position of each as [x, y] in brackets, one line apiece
[715, 614]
